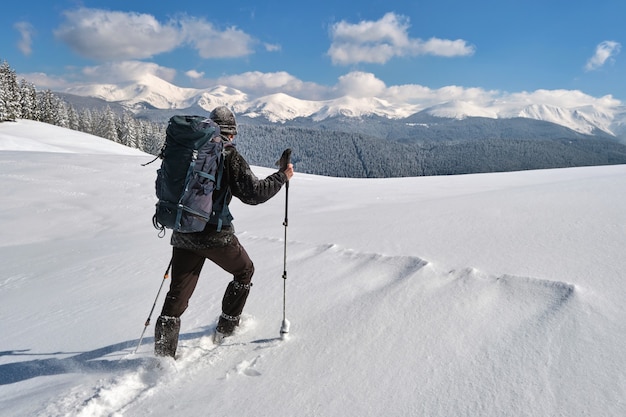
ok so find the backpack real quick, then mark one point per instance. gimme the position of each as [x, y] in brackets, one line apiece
[191, 170]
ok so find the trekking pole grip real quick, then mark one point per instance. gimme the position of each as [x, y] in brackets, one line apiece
[285, 160]
[283, 163]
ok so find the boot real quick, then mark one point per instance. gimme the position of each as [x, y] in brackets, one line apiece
[166, 336]
[233, 302]
[225, 327]
[226, 324]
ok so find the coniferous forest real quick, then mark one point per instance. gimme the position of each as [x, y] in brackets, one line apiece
[356, 155]
[359, 149]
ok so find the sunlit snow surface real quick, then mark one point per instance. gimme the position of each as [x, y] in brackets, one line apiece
[476, 295]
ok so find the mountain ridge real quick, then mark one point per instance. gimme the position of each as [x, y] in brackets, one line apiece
[153, 93]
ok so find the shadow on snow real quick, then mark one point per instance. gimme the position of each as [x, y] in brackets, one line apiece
[81, 362]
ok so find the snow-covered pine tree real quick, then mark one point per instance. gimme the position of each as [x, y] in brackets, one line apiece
[48, 107]
[85, 121]
[72, 117]
[10, 108]
[127, 130]
[28, 100]
[106, 127]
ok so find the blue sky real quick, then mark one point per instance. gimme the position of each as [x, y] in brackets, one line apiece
[313, 50]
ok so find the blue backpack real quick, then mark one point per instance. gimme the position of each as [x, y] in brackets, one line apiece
[191, 170]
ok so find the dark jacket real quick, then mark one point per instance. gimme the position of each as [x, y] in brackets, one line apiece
[238, 181]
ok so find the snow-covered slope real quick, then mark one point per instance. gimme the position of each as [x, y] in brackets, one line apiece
[479, 295]
[222, 96]
[149, 89]
[280, 107]
[584, 120]
[364, 106]
[28, 135]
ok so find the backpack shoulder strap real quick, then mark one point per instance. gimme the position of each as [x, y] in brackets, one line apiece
[224, 210]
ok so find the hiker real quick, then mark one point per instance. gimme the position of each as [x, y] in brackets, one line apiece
[190, 250]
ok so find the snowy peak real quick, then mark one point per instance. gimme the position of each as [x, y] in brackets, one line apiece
[281, 108]
[348, 106]
[220, 96]
[577, 119]
[152, 92]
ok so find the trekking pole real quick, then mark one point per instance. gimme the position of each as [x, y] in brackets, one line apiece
[165, 276]
[284, 328]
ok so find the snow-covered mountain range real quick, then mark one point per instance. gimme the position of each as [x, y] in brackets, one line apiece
[151, 92]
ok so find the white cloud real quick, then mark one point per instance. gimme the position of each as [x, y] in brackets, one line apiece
[26, 30]
[604, 51]
[360, 84]
[424, 97]
[379, 41]
[356, 84]
[442, 47]
[270, 47]
[43, 81]
[112, 35]
[120, 72]
[562, 98]
[212, 42]
[193, 74]
[259, 83]
[109, 73]
[257, 79]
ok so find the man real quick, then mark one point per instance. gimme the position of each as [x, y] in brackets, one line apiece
[218, 244]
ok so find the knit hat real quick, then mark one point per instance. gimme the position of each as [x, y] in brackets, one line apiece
[225, 119]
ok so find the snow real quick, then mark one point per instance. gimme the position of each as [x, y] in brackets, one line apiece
[460, 110]
[28, 135]
[280, 107]
[570, 108]
[474, 295]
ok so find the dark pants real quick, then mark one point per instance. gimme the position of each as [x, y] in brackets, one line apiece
[186, 267]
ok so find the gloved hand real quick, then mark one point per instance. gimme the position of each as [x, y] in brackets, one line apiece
[285, 160]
